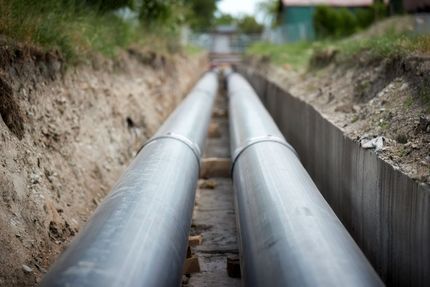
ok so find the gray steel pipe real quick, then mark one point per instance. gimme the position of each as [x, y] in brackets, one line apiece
[138, 236]
[289, 235]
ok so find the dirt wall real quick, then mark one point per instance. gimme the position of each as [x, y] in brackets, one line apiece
[65, 137]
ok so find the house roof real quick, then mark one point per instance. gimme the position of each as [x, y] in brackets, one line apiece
[336, 3]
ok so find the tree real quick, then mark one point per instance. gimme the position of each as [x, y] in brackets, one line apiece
[270, 10]
[162, 13]
[224, 19]
[202, 13]
[249, 25]
[109, 5]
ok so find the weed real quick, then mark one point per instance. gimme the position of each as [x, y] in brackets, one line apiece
[354, 119]
[384, 125]
[408, 102]
[402, 152]
[296, 55]
[192, 50]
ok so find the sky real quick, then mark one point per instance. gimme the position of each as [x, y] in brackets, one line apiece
[238, 7]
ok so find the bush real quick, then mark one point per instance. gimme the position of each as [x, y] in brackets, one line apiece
[341, 22]
[249, 25]
[155, 11]
[109, 5]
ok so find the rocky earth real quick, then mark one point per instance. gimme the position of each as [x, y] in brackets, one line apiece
[66, 134]
[382, 103]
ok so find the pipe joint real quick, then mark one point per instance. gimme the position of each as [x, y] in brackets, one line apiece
[178, 137]
[255, 140]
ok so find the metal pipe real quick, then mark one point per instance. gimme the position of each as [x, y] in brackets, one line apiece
[289, 235]
[138, 236]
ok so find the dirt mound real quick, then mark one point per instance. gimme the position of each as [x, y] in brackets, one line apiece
[66, 135]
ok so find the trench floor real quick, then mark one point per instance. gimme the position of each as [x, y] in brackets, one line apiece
[214, 214]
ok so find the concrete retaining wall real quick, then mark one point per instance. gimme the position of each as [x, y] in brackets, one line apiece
[386, 212]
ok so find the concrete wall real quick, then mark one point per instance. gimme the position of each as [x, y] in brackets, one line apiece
[386, 212]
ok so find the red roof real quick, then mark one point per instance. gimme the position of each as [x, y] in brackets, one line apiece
[336, 3]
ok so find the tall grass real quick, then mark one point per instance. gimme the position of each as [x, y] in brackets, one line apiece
[71, 26]
[298, 55]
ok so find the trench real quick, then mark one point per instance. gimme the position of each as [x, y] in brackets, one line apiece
[214, 213]
[385, 211]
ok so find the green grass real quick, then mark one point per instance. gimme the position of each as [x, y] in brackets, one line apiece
[408, 102]
[192, 50]
[74, 29]
[299, 55]
[389, 45]
[296, 55]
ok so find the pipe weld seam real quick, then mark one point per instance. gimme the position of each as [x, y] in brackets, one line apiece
[200, 90]
[183, 139]
[252, 141]
[241, 90]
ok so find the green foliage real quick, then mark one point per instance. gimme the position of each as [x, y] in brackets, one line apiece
[248, 24]
[341, 22]
[170, 13]
[156, 12]
[192, 49]
[396, 6]
[295, 55]
[74, 27]
[270, 9]
[202, 13]
[109, 5]
[391, 45]
[224, 19]
[80, 27]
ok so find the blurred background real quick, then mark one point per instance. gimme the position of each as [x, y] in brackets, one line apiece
[77, 27]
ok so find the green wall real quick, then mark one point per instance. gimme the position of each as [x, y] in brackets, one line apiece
[297, 23]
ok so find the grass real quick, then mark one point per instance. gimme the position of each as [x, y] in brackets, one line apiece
[299, 55]
[191, 49]
[408, 102]
[296, 55]
[388, 45]
[73, 29]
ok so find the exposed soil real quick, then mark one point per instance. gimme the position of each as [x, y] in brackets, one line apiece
[66, 135]
[383, 103]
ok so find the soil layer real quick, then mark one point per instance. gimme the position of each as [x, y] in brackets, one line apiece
[66, 135]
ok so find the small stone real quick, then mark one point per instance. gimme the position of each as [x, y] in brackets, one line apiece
[402, 138]
[233, 266]
[34, 178]
[375, 143]
[424, 124]
[207, 184]
[26, 269]
[185, 280]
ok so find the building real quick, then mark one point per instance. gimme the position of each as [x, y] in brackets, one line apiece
[296, 16]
